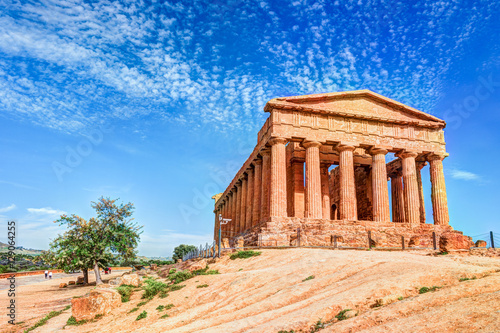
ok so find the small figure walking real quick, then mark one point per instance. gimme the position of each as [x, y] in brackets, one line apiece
[46, 273]
[50, 275]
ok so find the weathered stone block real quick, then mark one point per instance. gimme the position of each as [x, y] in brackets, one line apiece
[98, 302]
[131, 279]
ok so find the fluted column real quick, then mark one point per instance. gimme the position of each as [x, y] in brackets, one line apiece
[216, 225]
[381, 209]
[278, 178]
[238, 209]
[298, 195]
[412, 201]
[234, 204]
[243, 199]
[325, 192]
[314, 209]
[266, 184]
[257, 184]
[420, 165]
[249, 207]
[398, 199]
[438, 191]
[348, 205]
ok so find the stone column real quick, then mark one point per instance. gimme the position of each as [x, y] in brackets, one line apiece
[243, 199]
[257, 184]
[348, 206]
[216, 225]
[398, 199]
[412, 201]
[234, 204]
[298, 195]
[266, 183]
[420, 165]
[249, 207]
[278, 177]
[325, 192]
[237, 217]
[438, 191]
[381, 209]
[314, 206]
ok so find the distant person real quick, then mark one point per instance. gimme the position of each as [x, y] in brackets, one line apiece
[46, 273]
[50, 275]
[109, 270]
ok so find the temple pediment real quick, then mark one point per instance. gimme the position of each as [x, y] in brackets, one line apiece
[361, 104]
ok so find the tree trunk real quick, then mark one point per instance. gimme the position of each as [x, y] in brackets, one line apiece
[85, 276]
[97, 274]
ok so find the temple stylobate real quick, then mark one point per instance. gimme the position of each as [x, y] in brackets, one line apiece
[320, 165]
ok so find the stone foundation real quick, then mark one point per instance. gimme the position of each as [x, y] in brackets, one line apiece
[355, 234]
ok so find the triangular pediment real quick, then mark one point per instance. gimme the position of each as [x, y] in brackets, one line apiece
[363, 104]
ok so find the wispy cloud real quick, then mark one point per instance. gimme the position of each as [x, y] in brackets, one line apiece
[45, 211]
[66, 64]
[464, 175]
[8, 208]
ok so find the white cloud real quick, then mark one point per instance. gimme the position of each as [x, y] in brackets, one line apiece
[8, 208]
[464, 175]
[45, 211]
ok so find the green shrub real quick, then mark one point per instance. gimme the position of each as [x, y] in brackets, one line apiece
[142, 315]
[125, 291]
[133, 310]
[341, 315]
[424, 290]
[44, 320]
[152, 288]
[202, 286]
[142, 303]
[244, 254]
[169, 306]
[172, 271]
[319, 325]
[165, 316]
[73, 322]
[178, 277]
[308, 278]
[163, 294]
[467, 279]
[176, 287]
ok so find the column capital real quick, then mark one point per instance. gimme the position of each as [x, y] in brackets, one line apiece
[243, 176]
[257, 161]
[277, 140]
[265, 151]
[437, 156]
[310, 143]
[238, 184]
[406, 154]
[377, 151]
[344, 147]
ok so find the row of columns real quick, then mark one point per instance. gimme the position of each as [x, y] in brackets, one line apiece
[261, 191]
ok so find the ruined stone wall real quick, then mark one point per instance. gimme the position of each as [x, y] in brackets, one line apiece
[363, 181]
[334, 181]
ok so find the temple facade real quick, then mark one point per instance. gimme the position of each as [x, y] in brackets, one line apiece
[319, 175]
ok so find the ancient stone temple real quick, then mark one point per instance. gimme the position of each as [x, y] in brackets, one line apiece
[319, 176]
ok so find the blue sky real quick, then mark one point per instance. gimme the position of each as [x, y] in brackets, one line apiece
[159, 103]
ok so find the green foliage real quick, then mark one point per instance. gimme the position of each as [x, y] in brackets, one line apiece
[133, 310]
[178, 277]
[308, 278]
[172, 270]
[142, 303]
[165, 316]
[176, 287]
[152, 288]
[467, 279]
[100, 241]
[205, 271]
[73, 322]
[202, 286]
[125, 291]
[424, 290]
[442, 253]
[163, 294]
[341, 315]
[44, 320]
[182, 250]
[283, 331]
[400, 298]
[142, 315]
[319, 325]
[244, 254]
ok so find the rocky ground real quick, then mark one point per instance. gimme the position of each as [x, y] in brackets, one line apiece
[304, 290]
